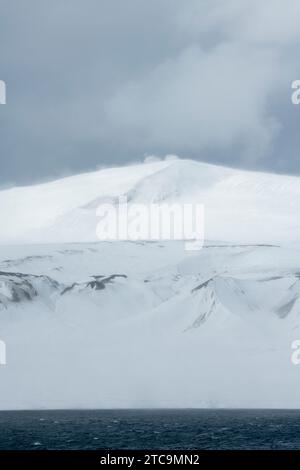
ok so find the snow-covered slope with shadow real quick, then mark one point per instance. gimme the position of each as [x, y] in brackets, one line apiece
[241, 206]
[145, 324]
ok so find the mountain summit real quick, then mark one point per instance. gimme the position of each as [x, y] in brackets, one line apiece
[240, 206]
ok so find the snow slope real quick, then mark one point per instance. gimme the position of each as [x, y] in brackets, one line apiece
[149, 324]
[240, 206]
[142, 324]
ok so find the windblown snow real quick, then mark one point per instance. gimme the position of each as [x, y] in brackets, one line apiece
[148, 324]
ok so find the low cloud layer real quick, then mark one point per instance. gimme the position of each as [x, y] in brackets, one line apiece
[105, 82]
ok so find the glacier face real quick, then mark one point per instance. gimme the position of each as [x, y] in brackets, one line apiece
[144, 324]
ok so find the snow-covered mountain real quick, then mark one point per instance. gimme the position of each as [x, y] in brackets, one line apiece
[240, 206]
[113, 324]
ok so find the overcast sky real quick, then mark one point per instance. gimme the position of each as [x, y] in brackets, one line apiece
[105, 82]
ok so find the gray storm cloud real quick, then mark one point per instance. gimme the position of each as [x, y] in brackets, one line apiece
[200, 100]
[105, 82]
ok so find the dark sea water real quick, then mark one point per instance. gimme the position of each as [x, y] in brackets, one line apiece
[150, 429]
